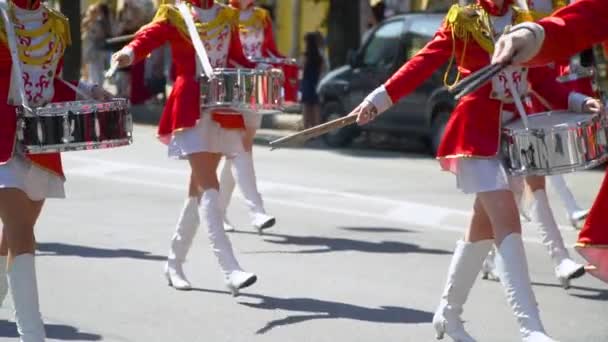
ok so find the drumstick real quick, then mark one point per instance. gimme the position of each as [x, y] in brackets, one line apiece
[120, 39]
[110, 73]
[482, 79]
[307, 134]
[456, 88]
[76, 89]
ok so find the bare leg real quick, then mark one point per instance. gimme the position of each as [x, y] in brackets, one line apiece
[19, 215]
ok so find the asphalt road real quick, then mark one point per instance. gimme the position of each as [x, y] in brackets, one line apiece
[360, 252]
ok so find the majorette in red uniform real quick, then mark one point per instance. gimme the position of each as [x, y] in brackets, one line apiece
[566, 32]
[202, 138]
[541, 214]
[258, 41]
[470, 149]
[42, 36]
[255, 28]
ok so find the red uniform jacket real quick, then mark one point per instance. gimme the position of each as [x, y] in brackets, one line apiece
[182, 109]
[572, 29]
[474, 127]
[269, 48]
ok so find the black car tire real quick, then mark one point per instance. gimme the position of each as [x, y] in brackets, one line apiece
[341, 137]
[440, 121]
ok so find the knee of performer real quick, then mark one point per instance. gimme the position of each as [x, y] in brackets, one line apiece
[21, 240]
[535, 183]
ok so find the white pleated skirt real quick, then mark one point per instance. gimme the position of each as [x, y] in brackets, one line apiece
[206, 136]
[36, 182]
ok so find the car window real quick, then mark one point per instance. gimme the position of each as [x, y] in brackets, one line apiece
[383, 46]
[421, 31]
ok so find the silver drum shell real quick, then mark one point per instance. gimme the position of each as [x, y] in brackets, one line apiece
[556, 142]
[246, 89]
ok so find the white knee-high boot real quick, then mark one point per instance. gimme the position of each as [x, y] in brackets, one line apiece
[211, 213]
[542, 216]
[186, 228]
[464, 268]
[227, 185]
[575, 213]
[245, 177]
[24, 289]
[512, 267]
[3, 279]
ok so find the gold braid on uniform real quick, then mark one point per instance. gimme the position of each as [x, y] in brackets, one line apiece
[256, 21]
[226, 17]
[59, 28]
[532, 15]
[464, 23]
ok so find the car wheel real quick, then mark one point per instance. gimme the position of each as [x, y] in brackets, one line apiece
[340, 137]
[438, 129]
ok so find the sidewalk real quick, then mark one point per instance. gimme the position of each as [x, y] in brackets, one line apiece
[273, 126]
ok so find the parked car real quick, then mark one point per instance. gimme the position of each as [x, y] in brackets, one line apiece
[422, 114]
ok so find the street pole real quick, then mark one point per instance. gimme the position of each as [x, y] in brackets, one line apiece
[296, 9]
[72, 58]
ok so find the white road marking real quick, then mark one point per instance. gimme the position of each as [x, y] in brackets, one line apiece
[422, 215]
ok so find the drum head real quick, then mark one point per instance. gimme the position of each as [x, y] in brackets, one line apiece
[553, 119]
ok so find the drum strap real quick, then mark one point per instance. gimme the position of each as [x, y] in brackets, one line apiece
[12, 45]
[196, 40]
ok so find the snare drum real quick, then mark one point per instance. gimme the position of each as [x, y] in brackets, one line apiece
[556, 142]
[247, 89]
[291, 73]
[74, 126]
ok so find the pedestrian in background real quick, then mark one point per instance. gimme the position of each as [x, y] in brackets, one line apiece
[96, 27]
[378, 8]
[312, 67]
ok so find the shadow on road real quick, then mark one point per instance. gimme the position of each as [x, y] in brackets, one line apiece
[322, 309]
[329, 245]
[376, 230]
[53, 331]
[63, 249]
[583, 292]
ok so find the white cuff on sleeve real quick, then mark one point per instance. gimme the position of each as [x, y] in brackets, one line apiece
[576, 101]
[129, 52]
[86, 87]
[380, 99]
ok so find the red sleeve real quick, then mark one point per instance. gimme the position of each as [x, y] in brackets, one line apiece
[150, 37]
[270, 47]
[420, 67]
[572, 29]
[544, 82]
[236, 56]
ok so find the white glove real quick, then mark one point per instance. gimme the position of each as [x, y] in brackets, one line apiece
[520, 44]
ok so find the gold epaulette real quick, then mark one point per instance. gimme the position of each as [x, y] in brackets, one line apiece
[170, 13]
[557, 4]
[470, 21]
[2, 32]
[256, 21]
[61, 25]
